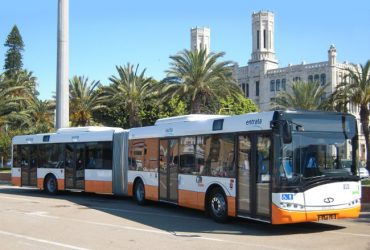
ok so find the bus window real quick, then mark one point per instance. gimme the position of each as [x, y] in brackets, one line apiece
[51, 155]
[187, 155]
[151, 155]
[219, 156]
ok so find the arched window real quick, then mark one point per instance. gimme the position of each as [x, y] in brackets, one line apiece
[323, 79]
[272, 85]
[278, 85]
[310, 78]
[316, 78]
[283, 84]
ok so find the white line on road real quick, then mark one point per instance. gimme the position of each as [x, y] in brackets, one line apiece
[42, 240]
[154, 231]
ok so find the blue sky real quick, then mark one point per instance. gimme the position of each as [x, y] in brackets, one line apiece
[106, 33]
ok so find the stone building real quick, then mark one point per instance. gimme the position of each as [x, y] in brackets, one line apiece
[262, 79]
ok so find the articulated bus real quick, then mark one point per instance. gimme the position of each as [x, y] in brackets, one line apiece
[278, 167]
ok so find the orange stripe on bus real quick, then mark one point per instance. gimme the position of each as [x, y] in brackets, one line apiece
[231, 211]
[151, 192]
[281, 216]
[130, 187]
[190, 199]
[60, 184]
[40, 183]
[16, 181]
[104, 187]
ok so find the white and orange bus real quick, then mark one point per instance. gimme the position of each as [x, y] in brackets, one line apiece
[278, 167]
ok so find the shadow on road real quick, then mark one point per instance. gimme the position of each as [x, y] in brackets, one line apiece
[171, 218]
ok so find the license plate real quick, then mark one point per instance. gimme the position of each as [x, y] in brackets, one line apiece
[326, 217]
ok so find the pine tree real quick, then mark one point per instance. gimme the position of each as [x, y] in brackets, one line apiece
[13, 57]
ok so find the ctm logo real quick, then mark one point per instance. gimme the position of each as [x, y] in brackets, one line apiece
[329, 200]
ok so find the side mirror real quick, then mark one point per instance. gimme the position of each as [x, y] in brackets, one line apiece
[286, 132]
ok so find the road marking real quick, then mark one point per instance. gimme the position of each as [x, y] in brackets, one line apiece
[154, 231]
[41, 240]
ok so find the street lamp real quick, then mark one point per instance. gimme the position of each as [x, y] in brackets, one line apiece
[62, 107]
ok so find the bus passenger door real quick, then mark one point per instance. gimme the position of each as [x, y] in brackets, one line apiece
[74, 166]
[254, 178]
[28, 154]
[23, 151]
[168, 169]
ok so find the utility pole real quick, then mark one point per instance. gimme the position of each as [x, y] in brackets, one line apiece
[62, 108]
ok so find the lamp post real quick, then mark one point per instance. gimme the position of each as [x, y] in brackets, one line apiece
[62, 107]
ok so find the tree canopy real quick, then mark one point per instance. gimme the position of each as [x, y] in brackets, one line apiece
[13, 56]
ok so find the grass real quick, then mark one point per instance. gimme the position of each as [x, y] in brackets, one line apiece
[4, 170]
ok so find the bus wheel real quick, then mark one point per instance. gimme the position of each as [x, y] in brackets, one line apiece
[139, 193]
[217, 206]
[51, 185]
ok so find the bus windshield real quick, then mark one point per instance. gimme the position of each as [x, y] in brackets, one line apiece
[311, 155]
[322, 147]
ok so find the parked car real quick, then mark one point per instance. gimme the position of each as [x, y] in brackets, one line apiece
[363, 172]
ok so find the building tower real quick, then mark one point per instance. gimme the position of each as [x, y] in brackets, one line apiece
[200, 39]
[263, 41]
[332, 61]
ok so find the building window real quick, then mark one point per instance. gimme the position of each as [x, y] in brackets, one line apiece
[296, 79]
[323, 79]
[283, 84]
[257, 88]
[272, 85]
[264, 39]
[316, 78]
[278, 85]
[247, 90]
[310, 78]
[258, 39]
[243, 87]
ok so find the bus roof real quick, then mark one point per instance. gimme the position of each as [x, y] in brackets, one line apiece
[74, 134]
[204, 124]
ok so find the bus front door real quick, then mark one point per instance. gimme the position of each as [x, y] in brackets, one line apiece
[28, 164]
[254, 178]
[168, 170]
[74, 166]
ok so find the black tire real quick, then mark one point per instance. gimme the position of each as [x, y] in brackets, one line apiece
[139, 193]
[51, 185]
[217, 206]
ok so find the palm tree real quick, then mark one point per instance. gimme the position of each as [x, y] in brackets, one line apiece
[129, 89]
[40, 115]
[26, 83]
[84, 99]
[198, 75]
[9, 101]
[357, 91]
[303, 95]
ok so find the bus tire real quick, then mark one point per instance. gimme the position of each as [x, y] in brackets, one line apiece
[139, 193]
[217, 205]
[51, 184]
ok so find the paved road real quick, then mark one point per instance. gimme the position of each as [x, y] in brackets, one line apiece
[30, 219]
